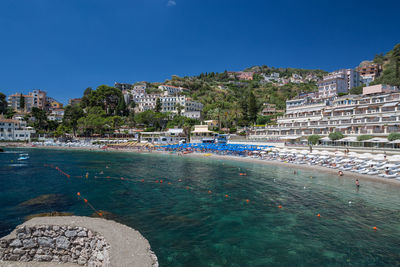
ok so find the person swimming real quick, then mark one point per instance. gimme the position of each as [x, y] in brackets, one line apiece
[340, 173]
[357, 183]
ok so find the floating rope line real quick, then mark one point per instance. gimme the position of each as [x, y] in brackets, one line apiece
[160, 182]
[89, 204]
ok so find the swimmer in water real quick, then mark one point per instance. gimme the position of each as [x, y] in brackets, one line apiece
[340, 173]
[357, 183]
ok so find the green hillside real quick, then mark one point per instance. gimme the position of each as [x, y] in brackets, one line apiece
[391, 67]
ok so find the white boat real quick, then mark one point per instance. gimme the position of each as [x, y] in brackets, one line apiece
[23, 157]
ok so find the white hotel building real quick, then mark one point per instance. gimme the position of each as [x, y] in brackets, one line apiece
[376, 112]
[14, 130]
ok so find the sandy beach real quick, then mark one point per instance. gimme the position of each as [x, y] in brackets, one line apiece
[347, 174]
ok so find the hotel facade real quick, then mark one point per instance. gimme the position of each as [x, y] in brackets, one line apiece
[376, 112]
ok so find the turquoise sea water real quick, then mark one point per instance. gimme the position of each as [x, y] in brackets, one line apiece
[187, 225]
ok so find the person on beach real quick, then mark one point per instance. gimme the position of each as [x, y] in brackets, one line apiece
[357, 183]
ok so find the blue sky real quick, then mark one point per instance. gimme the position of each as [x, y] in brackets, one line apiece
[64, 46]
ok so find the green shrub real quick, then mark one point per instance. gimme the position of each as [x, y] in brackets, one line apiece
[393, 136]
[336, 136]
[364, 137]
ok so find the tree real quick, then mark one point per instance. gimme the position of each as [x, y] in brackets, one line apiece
[40, 118]
[261, 120]
[253, 110]
[71, 116]
[179, 108]
[10, 112]
[3, 103]
[22, 102]
[394, 136]
[356, 90]
[313, 139]
[336, 136]
[158, 105]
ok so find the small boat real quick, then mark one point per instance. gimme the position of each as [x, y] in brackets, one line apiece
[23, 157]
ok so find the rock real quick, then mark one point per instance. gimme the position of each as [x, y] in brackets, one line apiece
[56, 228]
[16, 243]
[29, 243]
[90, 234]
[13, 257]
[100, 244]
[22, 236]
[43, 257]
[70, 233]
[19, 251]
[25, 258]
[100, 256]
[62, 242]
[46, 242]
[3, 243]
[65, 258]
[82, 261]
[56, 258]
[36, 233]
[82, 234]
[32, 252]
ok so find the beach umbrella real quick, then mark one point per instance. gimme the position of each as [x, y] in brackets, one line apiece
[393, 159]
[339, 153]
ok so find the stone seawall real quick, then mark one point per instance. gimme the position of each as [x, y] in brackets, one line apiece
[56, 243]
[75, 240]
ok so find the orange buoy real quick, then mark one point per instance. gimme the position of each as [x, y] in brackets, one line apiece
[161, 181]
[226, 196]
[375, 228]
[318, 215]
[247, 201]
[280, 206]
[78, 193]
[85, 200]
[209, 191]
[169, 182]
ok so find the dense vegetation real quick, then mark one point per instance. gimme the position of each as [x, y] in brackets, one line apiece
[391, 67]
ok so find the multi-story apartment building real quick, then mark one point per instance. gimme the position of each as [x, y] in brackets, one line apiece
[14, 101]
[57, 114]
[270, 109]
[189, 108]
[14, 129]
[368, 71]
[123, 86]
[376, 113]
[74, 101]
[146, 102]
[172, 90]
[337, 82]
[39, 98]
